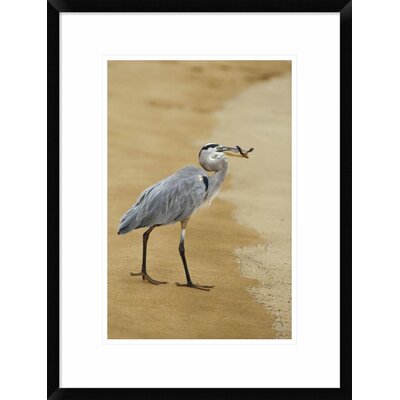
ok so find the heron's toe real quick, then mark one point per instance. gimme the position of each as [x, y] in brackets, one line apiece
[195, 286]
[148, 278]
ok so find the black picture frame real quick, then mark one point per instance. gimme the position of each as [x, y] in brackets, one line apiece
[54, 8]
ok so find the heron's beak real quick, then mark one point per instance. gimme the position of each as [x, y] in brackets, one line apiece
[235, 151]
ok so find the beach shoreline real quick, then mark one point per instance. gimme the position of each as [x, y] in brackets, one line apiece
[261, 190]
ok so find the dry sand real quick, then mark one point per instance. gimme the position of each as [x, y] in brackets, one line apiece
[159, 114]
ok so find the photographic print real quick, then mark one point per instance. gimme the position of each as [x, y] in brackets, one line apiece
[212, 169]
[199, 202]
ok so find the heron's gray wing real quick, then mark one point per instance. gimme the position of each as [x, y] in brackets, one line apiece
[175, 198]
[170, 200]
[132, 218]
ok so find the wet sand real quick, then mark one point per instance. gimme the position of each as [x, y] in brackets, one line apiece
[159, 114]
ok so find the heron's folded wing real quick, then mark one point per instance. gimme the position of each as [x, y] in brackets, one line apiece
[175, 199]
[132, 219]
[170, 200]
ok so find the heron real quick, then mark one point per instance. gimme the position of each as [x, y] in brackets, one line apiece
[176, 198]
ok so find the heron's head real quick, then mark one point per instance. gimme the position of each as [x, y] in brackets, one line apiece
[212, 156]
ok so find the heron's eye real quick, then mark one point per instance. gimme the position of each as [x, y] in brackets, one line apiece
[209, 146]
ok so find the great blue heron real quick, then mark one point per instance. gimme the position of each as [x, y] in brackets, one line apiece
[176, 198]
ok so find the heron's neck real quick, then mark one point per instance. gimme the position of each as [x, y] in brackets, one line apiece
[216, 180]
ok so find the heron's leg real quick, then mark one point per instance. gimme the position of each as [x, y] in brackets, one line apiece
[182, 253]
[143, 273]
[145, 240]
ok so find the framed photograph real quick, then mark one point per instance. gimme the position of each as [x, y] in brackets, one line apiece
[199, 180]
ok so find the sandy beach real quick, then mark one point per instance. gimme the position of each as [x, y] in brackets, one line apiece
[159, 115]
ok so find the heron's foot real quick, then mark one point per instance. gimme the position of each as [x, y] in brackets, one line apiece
[148, 278]
[195, 286]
